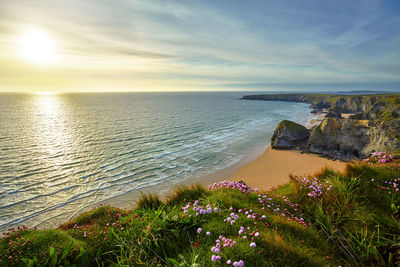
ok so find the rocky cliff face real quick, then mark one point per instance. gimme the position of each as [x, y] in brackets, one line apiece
[375, 126]
[290, 135]
[348, 139]
[344, 139]
[366, 106]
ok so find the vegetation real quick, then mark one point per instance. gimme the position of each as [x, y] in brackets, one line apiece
[292, 126]
[383, 106]
[328, 219]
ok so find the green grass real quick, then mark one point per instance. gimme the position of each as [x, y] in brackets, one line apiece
[330, 219]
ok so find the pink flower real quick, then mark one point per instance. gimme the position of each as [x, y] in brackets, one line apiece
[214, 258]
[253, 244]
[229, 262]
[199, 230]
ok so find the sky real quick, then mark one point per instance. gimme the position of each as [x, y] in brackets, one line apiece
[129, 45]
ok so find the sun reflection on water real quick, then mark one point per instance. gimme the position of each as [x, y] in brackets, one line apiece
[52, 133]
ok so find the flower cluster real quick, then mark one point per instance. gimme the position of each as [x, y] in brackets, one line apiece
[199, 209]
[380, 157]
[232, 218]
[245, 233]
[316, 188]
[269, 204]
[241, 186]
[220, 244]
[391, 186]
[16, 245]
[278, 205]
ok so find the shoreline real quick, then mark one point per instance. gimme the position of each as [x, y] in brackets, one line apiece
[254, 159]
[249, 165]
[128, 199]
[262, 171]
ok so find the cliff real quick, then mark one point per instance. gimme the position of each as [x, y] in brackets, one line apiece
[348, 139]
[374, 124]
[385, 106]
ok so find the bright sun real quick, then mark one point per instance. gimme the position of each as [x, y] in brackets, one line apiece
[37, 46]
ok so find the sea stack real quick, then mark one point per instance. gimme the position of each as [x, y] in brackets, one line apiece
[289, 135]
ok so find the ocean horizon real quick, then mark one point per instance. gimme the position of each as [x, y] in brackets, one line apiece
[61, 154]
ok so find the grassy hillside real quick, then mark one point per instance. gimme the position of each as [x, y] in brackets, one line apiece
[328, 219]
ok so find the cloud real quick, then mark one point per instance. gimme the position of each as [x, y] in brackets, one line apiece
[173, 44]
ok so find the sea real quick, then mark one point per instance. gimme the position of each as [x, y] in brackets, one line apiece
[63, 153]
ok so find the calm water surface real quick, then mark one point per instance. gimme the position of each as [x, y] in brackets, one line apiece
[62, 153]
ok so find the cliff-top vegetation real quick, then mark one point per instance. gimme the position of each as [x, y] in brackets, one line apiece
[327, 219]
[383, 106]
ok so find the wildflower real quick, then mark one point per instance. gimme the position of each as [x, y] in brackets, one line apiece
[253, 244]
[214, 258]
[241, 263]
[199, 230]
[229, 262]
[218, 257]
[236, 264]
[208, 233]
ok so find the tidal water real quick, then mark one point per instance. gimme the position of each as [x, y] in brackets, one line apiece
[62, 153]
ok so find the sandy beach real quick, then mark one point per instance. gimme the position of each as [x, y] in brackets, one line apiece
[273, 167]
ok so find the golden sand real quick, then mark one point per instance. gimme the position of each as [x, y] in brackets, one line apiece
[274, 167]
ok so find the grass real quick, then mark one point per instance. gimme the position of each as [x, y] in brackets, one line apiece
[329, 219]
[292, 126]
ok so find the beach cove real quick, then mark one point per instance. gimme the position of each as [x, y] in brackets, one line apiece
[75, 160]
[270, 169]
[250, 204]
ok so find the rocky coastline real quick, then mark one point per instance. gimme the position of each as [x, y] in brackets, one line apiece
[353, 126]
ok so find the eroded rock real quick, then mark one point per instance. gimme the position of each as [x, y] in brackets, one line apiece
[289, 135]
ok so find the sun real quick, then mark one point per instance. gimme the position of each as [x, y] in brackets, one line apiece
[36, 46]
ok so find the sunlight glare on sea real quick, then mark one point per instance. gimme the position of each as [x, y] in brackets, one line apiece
[64, 152]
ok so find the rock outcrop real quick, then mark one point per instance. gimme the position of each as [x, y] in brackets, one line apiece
[385, 106]
[348, 139]
[374, 125]
[290, 135]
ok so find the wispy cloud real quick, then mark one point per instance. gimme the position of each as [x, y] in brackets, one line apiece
[179, 45]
